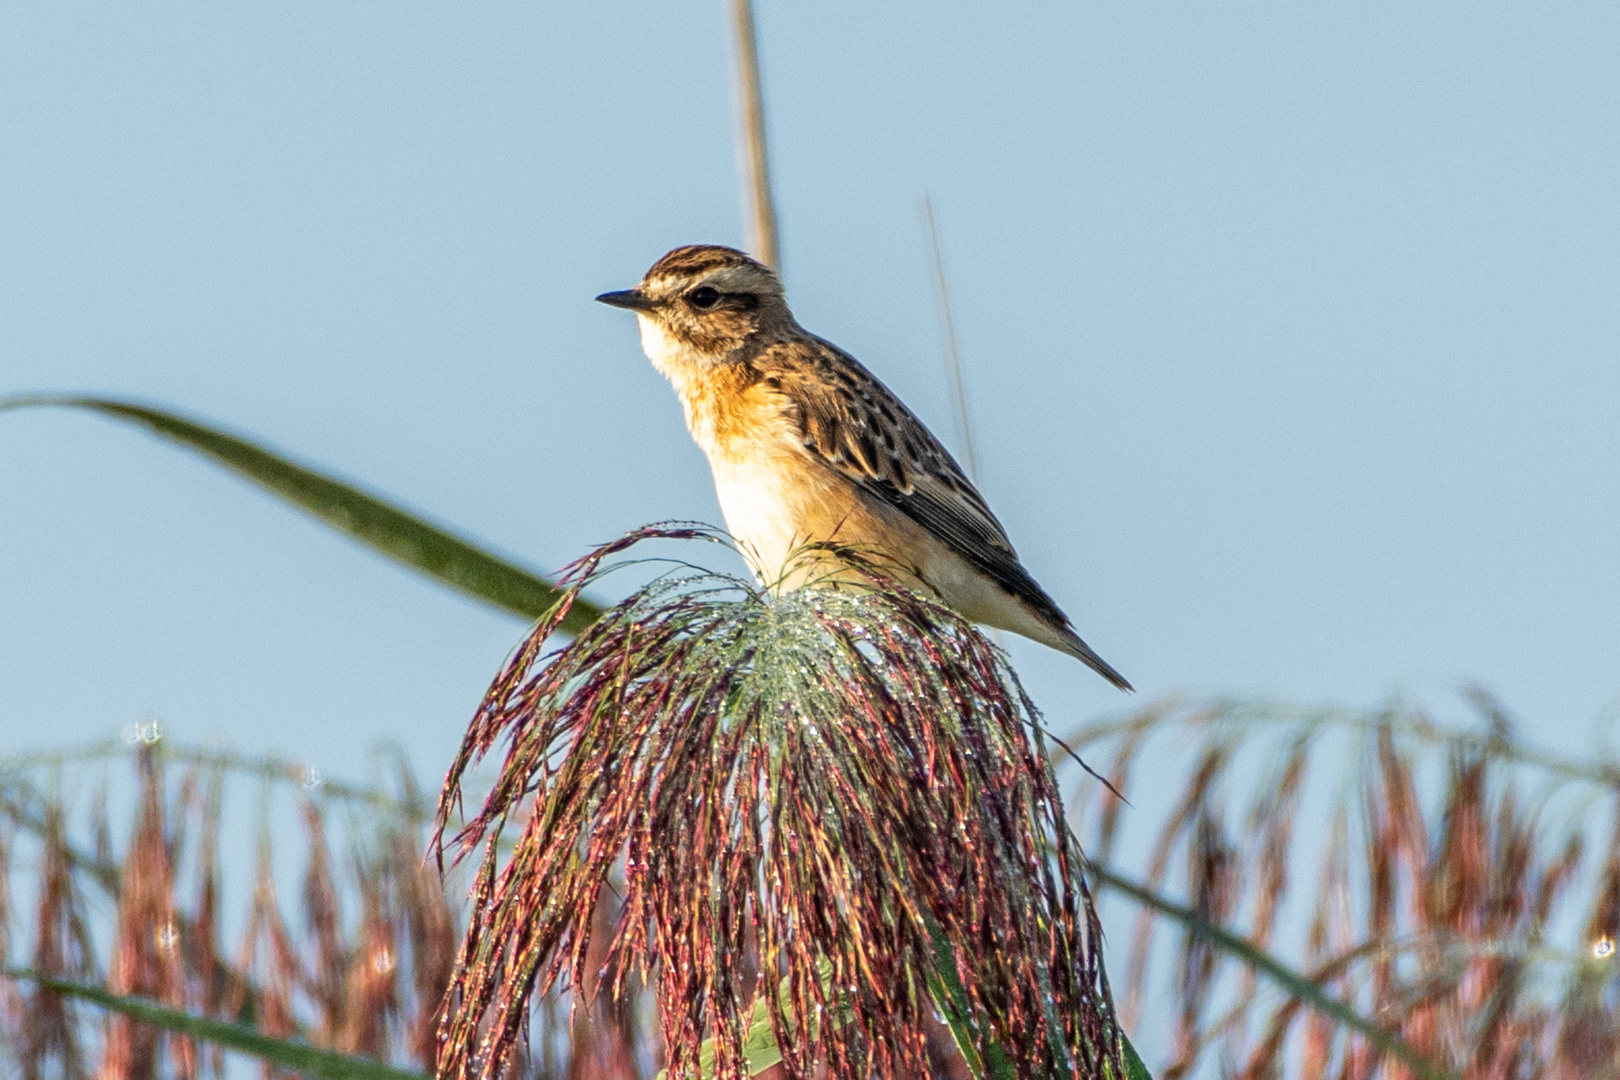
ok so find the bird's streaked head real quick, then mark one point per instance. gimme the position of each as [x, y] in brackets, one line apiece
[704, 305]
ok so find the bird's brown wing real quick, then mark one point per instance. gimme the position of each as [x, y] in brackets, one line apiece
[851, 422]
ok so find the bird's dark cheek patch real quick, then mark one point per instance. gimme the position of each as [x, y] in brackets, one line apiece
[717, 334]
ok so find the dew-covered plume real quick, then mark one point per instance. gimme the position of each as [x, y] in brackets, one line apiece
[836, 800]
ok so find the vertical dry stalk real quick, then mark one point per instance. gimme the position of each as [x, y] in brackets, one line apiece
[11, 1004]
[429, 934]
[325, 978]
[759, 206]
[370, 997]
[146, 956]
[203, 956]
[50, 1035]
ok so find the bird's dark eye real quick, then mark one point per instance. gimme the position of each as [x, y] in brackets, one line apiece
[703, 297]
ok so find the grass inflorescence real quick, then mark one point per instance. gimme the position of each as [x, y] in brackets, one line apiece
[835, 800]
[1456, 889]
[147, 914]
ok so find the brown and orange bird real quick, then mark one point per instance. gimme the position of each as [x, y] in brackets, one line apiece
[808, 446]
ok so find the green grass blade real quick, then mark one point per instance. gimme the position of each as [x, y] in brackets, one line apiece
[1295, 984]
[761, 1052]
[759, 1046]
[288, 1055]
[396, 533]
[1134, 1068]
[951, 998]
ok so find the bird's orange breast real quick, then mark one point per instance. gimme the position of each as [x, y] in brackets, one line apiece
[775, 495]
[731, 413]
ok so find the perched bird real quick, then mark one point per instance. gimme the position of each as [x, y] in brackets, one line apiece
[807, 446]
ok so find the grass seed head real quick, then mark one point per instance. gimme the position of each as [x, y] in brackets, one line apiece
[800, 797]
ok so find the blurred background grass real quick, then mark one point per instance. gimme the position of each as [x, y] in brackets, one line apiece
[1464, 913]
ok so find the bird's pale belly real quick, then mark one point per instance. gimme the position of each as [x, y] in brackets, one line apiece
[775, 505]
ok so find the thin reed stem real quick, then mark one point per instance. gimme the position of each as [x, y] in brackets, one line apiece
[759, 206]
[949, 345]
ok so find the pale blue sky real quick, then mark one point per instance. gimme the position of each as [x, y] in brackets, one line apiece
[1290, 332]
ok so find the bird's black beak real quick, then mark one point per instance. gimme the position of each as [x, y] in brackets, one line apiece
[630, 298]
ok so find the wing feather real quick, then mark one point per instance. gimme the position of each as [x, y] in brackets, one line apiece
[854, 424]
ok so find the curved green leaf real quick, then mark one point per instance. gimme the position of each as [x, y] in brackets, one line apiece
[1134, 1068]
[400, 535]
[285, 1053]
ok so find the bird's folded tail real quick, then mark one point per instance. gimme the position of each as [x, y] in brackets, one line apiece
[1070, 642]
